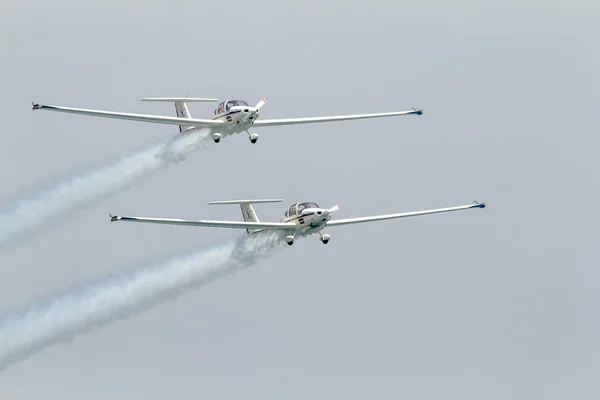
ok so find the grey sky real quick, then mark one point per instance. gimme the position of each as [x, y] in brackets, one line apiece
[498, 302]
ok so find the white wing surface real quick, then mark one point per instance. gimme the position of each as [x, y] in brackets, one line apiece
[401, 215]
[212, 224]
[184, 99]
[313, 120]
[157, 119]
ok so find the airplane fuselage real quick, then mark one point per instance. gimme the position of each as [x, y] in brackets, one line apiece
[309, 219]
[237, 119]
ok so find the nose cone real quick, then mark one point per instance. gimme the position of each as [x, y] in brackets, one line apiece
[251, 114]
[320, 215]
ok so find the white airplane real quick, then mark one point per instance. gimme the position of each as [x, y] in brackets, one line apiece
[231, 116]
[304, 218]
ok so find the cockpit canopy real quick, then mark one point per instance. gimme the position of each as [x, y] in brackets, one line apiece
[226, 105]
[296, 209]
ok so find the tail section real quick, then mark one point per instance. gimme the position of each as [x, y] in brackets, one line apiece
[249, 216]
[181, 108]
[248, 212]
[182, 112]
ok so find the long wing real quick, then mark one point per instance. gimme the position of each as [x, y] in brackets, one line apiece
[213, 224]
[157, 119]
[401, 215]
[312, 120]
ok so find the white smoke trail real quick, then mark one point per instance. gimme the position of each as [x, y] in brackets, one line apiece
[28, 215]
[73, 313]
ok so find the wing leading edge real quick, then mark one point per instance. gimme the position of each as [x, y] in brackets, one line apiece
[312, 120]
[213, 224]
[157, 119]
[401, 215]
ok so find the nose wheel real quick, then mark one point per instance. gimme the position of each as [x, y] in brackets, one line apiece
[253, 137]
[216, 137]
[325, 238]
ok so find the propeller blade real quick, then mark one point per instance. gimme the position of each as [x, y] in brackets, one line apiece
[335, 208]
[261, 103]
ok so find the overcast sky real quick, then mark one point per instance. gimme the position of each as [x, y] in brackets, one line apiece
[496, 303]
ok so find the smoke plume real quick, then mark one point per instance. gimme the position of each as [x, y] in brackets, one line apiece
[29, 215]
[75, 312]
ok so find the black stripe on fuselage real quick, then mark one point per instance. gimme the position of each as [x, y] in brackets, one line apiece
[301, 216]
[229, 113]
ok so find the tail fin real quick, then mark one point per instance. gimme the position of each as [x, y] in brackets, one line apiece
[181, 108]
[182, 112]
[248, 212]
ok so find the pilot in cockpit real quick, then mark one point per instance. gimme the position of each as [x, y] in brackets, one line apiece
[292, 210]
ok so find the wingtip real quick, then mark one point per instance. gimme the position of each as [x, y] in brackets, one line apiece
[34, 106]
[480, 205]
[114, 217]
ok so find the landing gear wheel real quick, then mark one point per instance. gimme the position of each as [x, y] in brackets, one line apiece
[252, 136]
[289, 240]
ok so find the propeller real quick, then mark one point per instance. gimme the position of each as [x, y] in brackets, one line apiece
[261, 103]
[252, 115]
[335, 208]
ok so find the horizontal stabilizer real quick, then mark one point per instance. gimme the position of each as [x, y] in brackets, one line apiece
[253, 201]
[185, 99]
